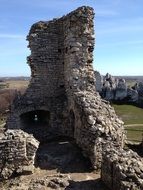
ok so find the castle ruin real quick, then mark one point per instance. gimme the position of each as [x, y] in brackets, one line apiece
[61, 100]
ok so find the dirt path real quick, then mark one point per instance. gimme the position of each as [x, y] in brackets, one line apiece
[133, 125]
[61, 166]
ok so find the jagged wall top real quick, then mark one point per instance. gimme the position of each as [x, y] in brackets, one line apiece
[83, 11]
[50, 44]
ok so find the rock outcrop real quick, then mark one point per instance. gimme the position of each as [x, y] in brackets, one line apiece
[121, 90]
[99, 82]
[17, 153]
[61, 98]
[111, 88]
[139, 88]
[132, 95]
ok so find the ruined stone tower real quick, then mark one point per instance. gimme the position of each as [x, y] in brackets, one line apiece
[61, 99]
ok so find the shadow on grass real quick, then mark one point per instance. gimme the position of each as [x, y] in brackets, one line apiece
[136, 148]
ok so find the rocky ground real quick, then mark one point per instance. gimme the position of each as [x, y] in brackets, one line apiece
[60, 165]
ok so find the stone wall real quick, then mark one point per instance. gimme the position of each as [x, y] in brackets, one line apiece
[61, 98]
[121, 170]
[17, 153]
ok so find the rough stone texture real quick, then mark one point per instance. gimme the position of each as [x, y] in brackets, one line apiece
[61, 98]
[17, 153]
[108, 91]
[121, 170]
[132, 95]
[139, 88]
[59, 182]
[121, 90]
[111, 88]
[99, 81]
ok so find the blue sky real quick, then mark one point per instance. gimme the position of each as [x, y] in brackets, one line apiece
[118, 31]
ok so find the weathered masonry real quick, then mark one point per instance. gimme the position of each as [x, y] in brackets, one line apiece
[61, 99]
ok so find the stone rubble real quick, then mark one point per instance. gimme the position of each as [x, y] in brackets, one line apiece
[59, 182]
[121, 169]
[17, 153]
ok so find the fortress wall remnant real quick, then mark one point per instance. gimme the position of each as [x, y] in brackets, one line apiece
[46, 59]
[121, 170]
[17, 156]
[61, 98]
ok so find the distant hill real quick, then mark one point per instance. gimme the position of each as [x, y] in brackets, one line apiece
[21, 78]
[133, 78]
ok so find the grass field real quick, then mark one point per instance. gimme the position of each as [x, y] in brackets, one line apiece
[15, 84]
[130, 114]
[133, 118]
[7, 93]
[135, 133]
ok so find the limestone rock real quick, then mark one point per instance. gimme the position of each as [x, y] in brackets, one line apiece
[99, 81]
[132, 95]
[109, 87]
[139, 88]
[121, 90]
[108, 91]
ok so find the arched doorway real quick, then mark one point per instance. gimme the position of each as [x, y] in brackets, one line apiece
[36, 122]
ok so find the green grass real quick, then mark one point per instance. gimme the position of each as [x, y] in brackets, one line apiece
[134, 133]
[131, 115]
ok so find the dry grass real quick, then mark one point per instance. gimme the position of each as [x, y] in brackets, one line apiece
[18, 84]
[7, 94]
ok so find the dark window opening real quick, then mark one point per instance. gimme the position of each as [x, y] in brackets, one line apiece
[59, 50]
[66, 50]
[62, 86]
[35, 118]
